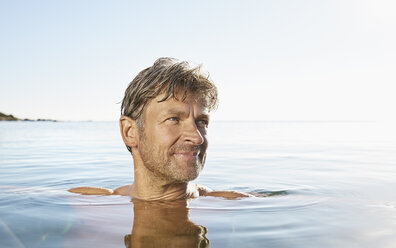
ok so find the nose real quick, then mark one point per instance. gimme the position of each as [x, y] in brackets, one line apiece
[192, 134]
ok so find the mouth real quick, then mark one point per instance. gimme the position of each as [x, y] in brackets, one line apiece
[186, 155]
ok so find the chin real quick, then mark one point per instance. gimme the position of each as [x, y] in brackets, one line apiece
[187, 176]
[184, 171]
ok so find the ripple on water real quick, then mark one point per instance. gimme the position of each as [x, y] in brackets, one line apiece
[276, 201]
[41, 196]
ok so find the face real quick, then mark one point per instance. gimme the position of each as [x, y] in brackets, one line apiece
[173, 141]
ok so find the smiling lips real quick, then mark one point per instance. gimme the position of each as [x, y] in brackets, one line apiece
[192, 155]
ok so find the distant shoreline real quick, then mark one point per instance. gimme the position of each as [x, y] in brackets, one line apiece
[4, 117]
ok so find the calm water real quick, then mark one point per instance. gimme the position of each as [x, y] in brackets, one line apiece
[333, 184]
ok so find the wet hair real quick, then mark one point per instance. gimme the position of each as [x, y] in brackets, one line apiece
[169, 76]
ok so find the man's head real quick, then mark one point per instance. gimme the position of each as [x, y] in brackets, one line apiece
[165, 116]
[167, 75]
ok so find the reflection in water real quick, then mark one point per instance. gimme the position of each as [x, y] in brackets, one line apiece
[164, 224]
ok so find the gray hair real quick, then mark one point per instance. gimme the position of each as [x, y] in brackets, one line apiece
[169, 76]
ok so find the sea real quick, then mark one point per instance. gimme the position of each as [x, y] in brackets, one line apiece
[329, 184]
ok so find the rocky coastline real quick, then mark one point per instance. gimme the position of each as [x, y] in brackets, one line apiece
[4, 117]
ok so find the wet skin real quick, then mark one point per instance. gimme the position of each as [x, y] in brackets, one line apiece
[168, 152]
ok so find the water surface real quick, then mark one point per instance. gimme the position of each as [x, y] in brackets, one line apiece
[332, 184]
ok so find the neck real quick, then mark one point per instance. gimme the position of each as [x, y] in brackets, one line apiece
[150, 187]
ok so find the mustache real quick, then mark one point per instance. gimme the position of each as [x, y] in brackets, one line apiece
[185, 148]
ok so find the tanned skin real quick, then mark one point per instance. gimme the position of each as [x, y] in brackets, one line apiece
[168, 152]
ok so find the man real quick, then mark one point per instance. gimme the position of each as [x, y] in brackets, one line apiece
[165, 116]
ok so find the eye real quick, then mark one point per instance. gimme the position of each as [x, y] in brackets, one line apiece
[173, 119]
[202, 123]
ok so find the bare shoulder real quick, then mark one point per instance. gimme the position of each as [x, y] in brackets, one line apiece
[229, 194]
[91, 191]
[125, 190]
[205, 191]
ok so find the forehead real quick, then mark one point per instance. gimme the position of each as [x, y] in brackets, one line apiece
[179, 102]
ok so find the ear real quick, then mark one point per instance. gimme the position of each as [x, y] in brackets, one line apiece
[129, 131]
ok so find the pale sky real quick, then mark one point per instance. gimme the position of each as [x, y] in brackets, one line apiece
[271, 59]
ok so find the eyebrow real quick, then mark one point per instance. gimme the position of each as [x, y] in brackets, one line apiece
[204, 116]
[181, 113]
[173, 112]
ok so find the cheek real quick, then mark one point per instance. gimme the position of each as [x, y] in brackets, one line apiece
[204, 135]
[206, 142]
[166, 136]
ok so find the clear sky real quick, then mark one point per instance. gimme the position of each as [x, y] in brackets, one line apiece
[271, 59]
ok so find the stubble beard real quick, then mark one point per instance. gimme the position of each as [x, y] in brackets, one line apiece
[164, 165]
